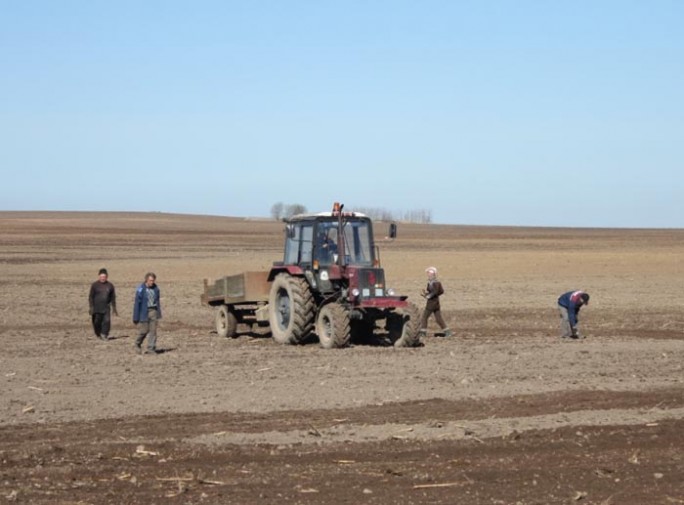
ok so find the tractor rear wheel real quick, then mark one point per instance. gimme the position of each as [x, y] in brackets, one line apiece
[402, 326]
[290, 309]
[226, 322]
[332, 326]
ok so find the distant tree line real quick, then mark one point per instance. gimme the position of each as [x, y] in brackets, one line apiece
[422, 216]
[281, 211]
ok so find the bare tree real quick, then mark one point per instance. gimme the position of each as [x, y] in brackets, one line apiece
[422, 216]
[294, 209]
[277, 210]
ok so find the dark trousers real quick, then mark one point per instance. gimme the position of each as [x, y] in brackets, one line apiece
[438, 318]
[102, 323]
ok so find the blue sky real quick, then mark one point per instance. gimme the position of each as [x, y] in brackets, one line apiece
[552, 113]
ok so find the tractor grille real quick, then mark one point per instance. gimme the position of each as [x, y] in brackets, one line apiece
[371, 282]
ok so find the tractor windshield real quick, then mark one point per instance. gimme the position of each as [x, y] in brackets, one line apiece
[320, 240]
[358, 243]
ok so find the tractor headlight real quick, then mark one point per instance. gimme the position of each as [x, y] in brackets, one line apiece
[390, 292]
[324, 275]
[355, 292]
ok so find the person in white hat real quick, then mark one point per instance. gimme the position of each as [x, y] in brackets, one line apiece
[432, 293]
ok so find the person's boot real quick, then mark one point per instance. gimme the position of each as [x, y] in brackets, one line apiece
[448, 333]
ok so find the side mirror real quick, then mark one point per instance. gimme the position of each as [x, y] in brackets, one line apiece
[392, 230]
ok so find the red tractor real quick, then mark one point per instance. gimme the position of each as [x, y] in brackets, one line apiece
[329, 283]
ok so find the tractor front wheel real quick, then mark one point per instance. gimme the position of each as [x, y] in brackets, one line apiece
[333, 326]
[402, 326]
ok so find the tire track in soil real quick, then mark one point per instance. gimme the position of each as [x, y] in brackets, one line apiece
[179, 426]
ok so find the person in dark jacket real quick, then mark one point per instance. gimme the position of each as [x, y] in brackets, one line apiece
[326, 247]
[569, 305]
[431, 293]
[146, 313]
[102, 302]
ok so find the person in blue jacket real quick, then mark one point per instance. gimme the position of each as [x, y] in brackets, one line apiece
[569, 305]
[146, 313]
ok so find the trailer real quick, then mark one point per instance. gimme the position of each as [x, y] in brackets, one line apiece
[240, 299]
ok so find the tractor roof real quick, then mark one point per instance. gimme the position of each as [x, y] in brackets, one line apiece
[304, 217]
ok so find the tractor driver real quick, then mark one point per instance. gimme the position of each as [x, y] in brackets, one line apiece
[326, 245]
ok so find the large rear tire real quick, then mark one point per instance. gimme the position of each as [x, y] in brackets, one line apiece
[290, 309]
[403, 326]
[226, 322]
[332, 326]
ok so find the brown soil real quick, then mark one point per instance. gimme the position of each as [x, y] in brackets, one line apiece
[502, 413]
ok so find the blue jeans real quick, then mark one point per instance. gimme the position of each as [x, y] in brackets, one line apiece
[566, 329]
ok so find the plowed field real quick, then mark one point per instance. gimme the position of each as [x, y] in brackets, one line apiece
[504, 412]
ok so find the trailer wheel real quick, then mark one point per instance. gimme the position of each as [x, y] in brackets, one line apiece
[226, 322]
[290, 309]
[333, 327]
[402, 326]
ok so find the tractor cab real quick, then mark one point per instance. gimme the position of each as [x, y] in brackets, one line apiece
[328, 248]
[321, 241]
[336, 254]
